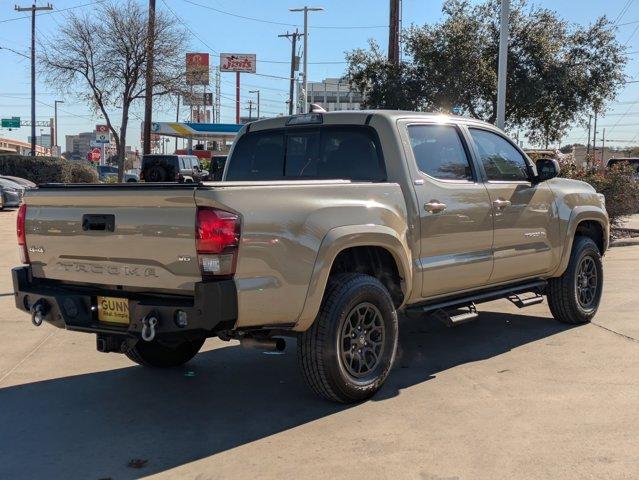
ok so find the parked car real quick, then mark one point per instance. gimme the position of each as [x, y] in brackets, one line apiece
[20, 181]
[172, 168]
[12, 193]
[108, 171]
[325, 228]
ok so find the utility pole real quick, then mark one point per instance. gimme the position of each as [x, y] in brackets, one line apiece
[250, 102]
[177, 119]
[594, 141]
[258, 101]
[393, 32]
[306, 9]
[603, 148]
[218, 83]
[55, 121]
[503, 63]
[589, 127]
[148, 91]
[291, 90]
[33, 9]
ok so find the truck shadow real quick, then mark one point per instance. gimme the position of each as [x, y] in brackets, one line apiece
[101, 425]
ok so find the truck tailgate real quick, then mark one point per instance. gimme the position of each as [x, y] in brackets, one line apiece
[140, 236]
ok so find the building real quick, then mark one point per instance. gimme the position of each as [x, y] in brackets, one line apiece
[18, 147]
[333, 94]
[44, 140]
[78, 146]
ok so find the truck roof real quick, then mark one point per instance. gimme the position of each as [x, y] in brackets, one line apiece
[360, 117]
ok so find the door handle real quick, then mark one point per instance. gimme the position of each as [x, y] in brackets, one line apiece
[434, 206]
[500, 204]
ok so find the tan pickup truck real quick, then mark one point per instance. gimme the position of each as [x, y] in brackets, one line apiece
[325, 227]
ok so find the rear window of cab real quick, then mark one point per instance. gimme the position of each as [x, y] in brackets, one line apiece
[327, 152]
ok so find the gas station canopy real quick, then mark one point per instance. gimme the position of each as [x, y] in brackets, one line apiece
[205, 131]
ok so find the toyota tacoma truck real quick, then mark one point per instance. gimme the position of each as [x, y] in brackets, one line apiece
[325, 228]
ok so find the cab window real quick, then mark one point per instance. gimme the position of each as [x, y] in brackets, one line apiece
[501, 160]
[330, 152]
[439, 152]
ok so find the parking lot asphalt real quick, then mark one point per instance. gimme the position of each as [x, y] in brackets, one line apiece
[513, 395]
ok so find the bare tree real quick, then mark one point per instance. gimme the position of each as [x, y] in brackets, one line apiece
[103, 54]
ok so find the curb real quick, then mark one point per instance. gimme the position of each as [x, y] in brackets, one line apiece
[626, 242]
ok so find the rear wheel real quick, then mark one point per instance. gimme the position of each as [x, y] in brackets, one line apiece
[574, 297]
[156, 174]
[154, 354]
[348, 352]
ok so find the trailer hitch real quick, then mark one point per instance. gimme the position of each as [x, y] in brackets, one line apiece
[39, 312]
[149, 327]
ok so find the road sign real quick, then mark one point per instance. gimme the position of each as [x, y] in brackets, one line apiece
[237, 62]
[13, 122]
[102, 128]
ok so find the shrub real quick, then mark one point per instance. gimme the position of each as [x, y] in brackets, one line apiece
[617, 183]
[47, 169]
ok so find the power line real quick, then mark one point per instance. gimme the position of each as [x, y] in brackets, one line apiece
[271, 22]
[54, 11]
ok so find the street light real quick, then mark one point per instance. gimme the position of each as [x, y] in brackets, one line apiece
[258, 101]
[306, 9]
[55, 120]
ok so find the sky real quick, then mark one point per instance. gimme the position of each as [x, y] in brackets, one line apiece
[217, 26]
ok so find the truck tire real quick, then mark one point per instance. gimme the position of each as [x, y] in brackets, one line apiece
[348, 352]
[154, 354]
[574, 297]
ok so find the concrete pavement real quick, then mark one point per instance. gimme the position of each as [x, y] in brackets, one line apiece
[513, 395]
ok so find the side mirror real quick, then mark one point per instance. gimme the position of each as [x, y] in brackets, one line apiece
[547, 168]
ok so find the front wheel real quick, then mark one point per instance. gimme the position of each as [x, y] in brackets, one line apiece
[155, 354]
[348, 352]
[574, 297]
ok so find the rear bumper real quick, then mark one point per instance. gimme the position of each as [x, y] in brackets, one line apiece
[212, 308]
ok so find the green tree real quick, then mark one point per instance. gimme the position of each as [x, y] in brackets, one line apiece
[557, 72]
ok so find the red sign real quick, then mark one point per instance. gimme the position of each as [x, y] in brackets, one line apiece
[94, 155]
[197, 68]
[101, 128]
[237, 62]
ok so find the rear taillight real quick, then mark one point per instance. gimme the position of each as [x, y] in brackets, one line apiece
[217, 236]
[21, 232]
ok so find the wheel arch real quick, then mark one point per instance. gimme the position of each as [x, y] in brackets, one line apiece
[589, 222]
[349, 244]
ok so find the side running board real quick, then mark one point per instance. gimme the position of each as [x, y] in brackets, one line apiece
[458, 318]
[526, 302]
[511, 292]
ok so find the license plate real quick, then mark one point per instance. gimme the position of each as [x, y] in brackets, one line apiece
[113, 310]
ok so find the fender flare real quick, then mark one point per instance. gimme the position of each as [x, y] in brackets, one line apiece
[339, 239]
[578, 215]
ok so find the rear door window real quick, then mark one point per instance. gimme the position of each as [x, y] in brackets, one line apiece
[332, 152]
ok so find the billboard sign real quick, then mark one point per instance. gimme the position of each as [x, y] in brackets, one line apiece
[198, 99]
[237, 62]
[197, 68]
[102, 134]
